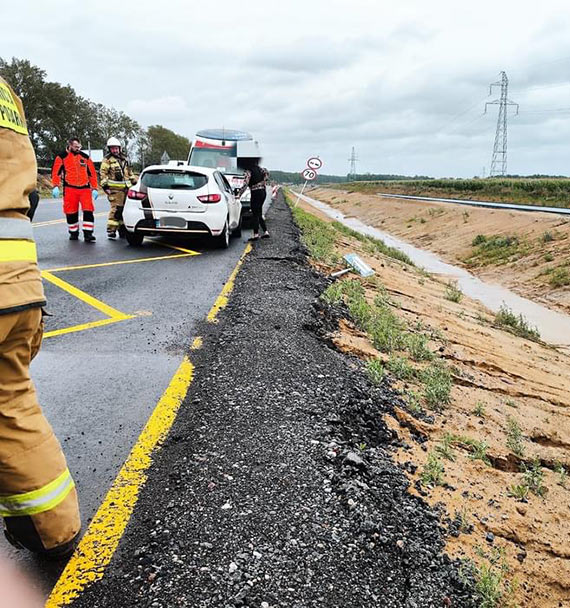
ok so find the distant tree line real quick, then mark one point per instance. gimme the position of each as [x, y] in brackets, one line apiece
[55, 112]
[297, 178]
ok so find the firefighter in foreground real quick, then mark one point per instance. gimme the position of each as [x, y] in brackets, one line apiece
[79, 177]
[116, 177]
[38, 501]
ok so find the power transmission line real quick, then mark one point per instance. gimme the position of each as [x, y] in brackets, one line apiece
[499, 158]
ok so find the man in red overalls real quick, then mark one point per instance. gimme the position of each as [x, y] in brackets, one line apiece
[79, 188]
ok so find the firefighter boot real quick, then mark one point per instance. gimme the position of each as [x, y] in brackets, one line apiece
[74, 236]
[88, 236]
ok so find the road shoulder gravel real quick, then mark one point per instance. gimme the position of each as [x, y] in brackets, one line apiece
[276, 486]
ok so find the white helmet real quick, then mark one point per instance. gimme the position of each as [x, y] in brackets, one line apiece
[113, 141]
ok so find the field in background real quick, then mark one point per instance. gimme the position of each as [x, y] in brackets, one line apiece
[546, 192]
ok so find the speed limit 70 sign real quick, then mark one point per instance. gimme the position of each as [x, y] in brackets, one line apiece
[309, 174]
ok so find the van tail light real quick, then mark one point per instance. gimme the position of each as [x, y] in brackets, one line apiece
[210, 198]
[136, 195]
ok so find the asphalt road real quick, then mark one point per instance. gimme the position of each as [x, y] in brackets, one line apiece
[98, 385]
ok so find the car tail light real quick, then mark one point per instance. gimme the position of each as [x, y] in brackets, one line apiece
[135, 194]
[210, 198]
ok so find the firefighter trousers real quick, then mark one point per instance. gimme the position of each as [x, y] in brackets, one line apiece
[117, 201]
[38, 500]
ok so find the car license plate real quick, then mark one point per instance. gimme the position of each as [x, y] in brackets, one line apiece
[172, 222]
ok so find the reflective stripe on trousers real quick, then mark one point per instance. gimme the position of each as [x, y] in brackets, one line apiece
[38, 501]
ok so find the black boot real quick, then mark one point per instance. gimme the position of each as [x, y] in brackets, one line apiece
[88, 236]
[122, 232]
[74, 236]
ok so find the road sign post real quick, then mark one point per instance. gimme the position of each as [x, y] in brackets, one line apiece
[309, 174]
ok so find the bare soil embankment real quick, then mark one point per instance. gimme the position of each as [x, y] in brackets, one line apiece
[528, 253]
[488, 436]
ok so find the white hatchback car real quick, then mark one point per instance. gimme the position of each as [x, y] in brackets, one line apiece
[184, 200]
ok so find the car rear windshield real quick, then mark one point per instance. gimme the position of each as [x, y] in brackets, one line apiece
[174, 180]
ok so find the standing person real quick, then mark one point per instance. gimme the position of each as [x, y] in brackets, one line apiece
[256, 179]
[38, 501]
[79, 177]
[116, 177]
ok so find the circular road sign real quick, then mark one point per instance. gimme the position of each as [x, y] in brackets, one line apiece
[314, 163]
[309, 174]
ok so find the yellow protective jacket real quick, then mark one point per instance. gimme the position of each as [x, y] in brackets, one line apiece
[20, 281]
[116, 173]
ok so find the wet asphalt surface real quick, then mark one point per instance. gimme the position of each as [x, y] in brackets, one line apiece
[276, 486]
[98, 386]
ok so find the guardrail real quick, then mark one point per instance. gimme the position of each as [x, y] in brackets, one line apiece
[489, 204]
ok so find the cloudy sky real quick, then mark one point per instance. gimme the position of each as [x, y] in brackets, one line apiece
[404, 82]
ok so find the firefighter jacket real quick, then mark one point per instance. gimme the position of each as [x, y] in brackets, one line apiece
[20, 281]
[75, 169]
[116, 174]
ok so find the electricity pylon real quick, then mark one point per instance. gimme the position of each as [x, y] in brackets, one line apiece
[499, 158]
[353, 158]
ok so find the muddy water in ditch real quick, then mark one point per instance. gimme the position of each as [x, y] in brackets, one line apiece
[554, 327]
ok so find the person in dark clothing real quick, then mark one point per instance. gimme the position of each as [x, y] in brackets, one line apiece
[34, 199]
[256, 178]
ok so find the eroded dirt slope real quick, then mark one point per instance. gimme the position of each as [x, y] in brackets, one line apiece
[508, 411]
[534, 261]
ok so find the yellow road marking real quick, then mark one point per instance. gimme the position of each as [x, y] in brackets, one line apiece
[188, 251]
[96, 548]
[84, 326]
[60, 221]
[99, 543]
[85, 297]
[222, 300]
[101, 264]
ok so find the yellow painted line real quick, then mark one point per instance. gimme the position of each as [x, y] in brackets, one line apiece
[101, 539]
[101, 264]
[188, 251]
[222, 300]
[98, 545]
[85, 297]
[84, 326]
[60, 221]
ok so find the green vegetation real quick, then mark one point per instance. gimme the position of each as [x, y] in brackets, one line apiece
[413, 402]
[375, 371]
[548, 257]
[506, 319]
[515, 437]
[372, 245]
[553, 192]
[547, 237]
[520, 492]
[453, 293]
[479, 409]
[417, 346]
[437, 385]
[318, 236]
[495, 249]
[533, 477]
[445, 447]
[432, 474]
[401, 368]
[559, 277]
[493, 588]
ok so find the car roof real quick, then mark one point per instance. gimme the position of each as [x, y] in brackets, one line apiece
[182, 167]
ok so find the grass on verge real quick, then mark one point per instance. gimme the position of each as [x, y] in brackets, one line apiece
[516, 324]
